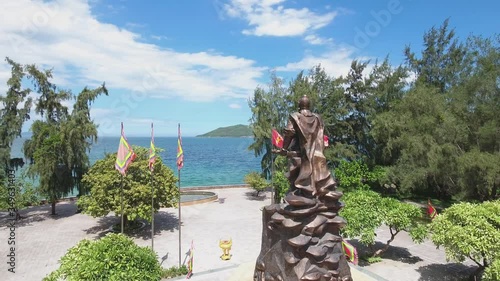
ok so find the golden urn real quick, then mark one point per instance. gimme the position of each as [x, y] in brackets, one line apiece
[225, 245]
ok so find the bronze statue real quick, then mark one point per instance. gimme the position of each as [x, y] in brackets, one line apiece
[300, 239]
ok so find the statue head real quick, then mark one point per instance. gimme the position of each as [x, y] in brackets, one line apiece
[304, 103]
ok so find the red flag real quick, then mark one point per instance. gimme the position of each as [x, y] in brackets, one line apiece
[125, 154]
[277, 139]
[180, 152]
[325, 140]
[431, 211]
[350, 252]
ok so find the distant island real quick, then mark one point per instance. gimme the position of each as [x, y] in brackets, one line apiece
[235, 131]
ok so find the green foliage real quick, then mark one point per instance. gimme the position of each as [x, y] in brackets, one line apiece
[492, 272]
[174, 271]
[363, 214]
[256, 181]
[231, 131]
[46, 149]
[269, 110]
[128, 226]
[467, 230]
[113, 257]
[105, 182]
[79, 133]
[370, 259]
[365, 211]
[60, 141]
[347, 105]
[441, 138]
[352, 175]
[12, 114]
[25, 195]
[443, 61]
[281, 186]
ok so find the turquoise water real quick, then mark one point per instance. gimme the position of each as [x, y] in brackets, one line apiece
[207, 161]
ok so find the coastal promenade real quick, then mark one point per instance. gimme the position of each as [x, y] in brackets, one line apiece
[41, 240]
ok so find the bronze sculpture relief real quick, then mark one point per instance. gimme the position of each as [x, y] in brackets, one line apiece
[300, 239]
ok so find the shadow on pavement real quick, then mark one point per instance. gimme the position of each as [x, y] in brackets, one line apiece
[394, 253]
[103, 225]
[164, 221]
[252, 195]
[35, 214]
[445, 272]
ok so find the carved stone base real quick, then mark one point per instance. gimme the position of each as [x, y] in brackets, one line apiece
[302, 244]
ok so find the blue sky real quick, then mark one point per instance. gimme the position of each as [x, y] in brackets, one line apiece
[198, 62]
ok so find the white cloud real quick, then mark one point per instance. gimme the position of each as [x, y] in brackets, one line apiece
[159, 37]
[66, 36]
[316, 40]
[271, 18]
[109, 119]
[235, 106]
[336, 62]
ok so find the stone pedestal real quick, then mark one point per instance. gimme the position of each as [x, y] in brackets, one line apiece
[302, 242]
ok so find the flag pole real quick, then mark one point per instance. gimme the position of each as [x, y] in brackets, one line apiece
[152, 213]
[179, 173]
[121, 190]
[272, 176]
[121, 199]
[152, 196]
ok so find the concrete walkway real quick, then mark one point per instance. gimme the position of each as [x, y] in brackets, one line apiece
[41, 240]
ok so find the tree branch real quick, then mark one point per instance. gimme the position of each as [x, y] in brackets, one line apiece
[393, 235]
[474, 260]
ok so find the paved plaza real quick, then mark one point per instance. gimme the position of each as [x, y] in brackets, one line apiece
[41, 240]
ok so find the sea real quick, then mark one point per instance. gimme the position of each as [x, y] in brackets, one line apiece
[207, 161]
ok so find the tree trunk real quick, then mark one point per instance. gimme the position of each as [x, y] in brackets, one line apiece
[53, 207]
[379, 252]
[125, 221]
[494, 191]
[476, 274]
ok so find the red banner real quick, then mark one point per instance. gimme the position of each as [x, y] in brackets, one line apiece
[277, 139]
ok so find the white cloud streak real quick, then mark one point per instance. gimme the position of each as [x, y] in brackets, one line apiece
[66, 36]
[316, 40]
[271, 18]
[336, 62]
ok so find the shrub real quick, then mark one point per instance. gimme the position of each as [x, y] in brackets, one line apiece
[353, 175]
[365, 211]
[256, 181]
[174, 271]
[114, 257]
[25, 194]
[105, 185]
[281, 186]
[467, 230]
[492, 272]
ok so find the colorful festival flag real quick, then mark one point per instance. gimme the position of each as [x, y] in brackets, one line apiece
[350, 252]
[277, 139]
[152, 151]
[431, 211]
[180, 152]
[125, 154]
[190, 261]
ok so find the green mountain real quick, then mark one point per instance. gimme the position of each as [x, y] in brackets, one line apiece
[231, 131]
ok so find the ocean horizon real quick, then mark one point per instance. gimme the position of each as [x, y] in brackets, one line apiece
[207, 161]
